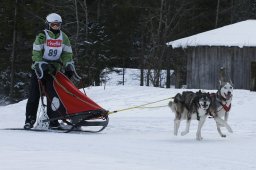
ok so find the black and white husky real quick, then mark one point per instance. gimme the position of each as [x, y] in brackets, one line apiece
[221, 105]
[188, 106]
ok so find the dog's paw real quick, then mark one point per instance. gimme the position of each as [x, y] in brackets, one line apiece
[223, 135]
[199, 138]
[184, 133]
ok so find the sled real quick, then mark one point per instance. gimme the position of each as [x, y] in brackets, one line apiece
[80, 110]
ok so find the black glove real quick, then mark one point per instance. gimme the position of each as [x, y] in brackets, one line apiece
[70, 72]
[40, 67]
[69, 69]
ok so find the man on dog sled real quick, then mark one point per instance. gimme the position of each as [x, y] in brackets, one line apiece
[52, 52]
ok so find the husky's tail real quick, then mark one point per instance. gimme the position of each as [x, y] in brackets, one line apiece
[176, 102]
[172, 105]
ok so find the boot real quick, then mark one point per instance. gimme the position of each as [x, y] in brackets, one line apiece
[29, 124]
[54, 125]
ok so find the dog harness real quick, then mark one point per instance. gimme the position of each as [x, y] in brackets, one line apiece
[217, 96]
[224, 106]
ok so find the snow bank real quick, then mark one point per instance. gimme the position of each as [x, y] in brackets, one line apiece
[137, 139]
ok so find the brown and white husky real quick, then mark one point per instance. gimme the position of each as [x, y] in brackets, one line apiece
[190, 106]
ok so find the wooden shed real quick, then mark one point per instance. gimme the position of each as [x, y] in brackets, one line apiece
[232, 47]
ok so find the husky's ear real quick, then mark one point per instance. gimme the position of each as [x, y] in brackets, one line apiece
[230, 81]
[209, 95]
[222, 73]
[222, 83]
[199, 92]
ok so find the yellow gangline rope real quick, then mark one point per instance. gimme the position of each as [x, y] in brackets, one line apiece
[152, 107]
[139, 106]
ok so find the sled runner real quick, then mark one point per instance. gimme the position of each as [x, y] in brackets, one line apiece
[80, 110]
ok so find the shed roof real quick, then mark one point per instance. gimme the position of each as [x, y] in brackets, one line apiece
[239, 34]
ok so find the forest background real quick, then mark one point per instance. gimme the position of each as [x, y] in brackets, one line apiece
[109, 34]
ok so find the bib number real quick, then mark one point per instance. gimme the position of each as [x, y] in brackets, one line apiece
[52, 53]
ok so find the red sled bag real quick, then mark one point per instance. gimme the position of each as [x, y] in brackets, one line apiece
[71, 97]
[81, 111]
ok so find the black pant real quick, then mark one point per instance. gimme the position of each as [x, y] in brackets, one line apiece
[46, 85]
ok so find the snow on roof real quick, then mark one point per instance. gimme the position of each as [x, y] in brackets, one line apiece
[239, 34]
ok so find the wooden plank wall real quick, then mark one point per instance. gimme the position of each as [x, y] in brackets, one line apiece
[253, 76]
[204, 62]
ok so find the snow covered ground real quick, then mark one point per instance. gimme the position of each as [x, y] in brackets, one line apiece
[138, 139]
